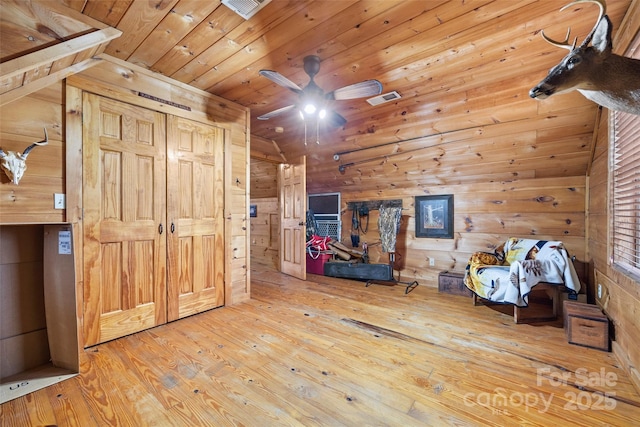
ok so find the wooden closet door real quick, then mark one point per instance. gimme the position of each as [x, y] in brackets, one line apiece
[195, 212]
[124, 197]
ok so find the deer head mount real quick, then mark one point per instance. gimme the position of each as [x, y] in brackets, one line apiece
[14, 163]
[605, 78]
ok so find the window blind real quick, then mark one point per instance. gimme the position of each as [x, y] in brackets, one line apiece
[626, 191]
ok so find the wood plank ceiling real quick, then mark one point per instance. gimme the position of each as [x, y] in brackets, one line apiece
[463, 69]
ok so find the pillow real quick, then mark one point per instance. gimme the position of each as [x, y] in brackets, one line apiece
[484, 258]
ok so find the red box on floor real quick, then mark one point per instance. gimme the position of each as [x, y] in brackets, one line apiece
[316, 266]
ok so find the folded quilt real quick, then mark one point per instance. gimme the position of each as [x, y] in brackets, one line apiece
[527, 262]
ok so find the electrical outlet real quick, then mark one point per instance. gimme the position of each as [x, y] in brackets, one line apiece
[599, 291]
[58, 201]
[432, 262]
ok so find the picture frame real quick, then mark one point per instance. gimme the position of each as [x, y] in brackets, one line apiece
[434, 216]
[253, 211]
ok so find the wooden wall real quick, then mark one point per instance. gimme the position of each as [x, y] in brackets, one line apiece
[620, 292]
[21, 123]
[265, 228]
[264, 178]
[485, 215]
[265, 232]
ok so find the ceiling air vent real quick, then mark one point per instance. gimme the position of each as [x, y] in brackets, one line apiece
[245, 8]
[385, 97]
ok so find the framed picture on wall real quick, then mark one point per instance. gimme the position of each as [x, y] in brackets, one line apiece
[434, 216]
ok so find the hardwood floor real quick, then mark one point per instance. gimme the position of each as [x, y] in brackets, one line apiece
[332, 352]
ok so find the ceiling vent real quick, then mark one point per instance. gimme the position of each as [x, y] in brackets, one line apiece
[385, 97]
[245, 8]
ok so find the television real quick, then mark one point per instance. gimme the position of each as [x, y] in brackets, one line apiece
[325, 206]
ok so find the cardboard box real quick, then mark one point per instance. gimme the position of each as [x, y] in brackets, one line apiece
[316, 266]
[450, 282]
[61, 334]
[586, 325]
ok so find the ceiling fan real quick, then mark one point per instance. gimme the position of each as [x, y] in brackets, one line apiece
[313, 100]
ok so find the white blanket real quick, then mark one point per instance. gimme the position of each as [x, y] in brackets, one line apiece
[531, 262]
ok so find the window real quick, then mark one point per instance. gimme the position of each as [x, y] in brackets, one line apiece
[625, 179]
[626, 191]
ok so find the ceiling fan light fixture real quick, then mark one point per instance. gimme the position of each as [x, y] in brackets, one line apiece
[314, 95]
[310, 108]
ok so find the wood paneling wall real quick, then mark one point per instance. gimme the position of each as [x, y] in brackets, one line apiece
[485, 215]
[264, 178]
[21, 124]
[265, 232]
[621, 293]
[265, 228]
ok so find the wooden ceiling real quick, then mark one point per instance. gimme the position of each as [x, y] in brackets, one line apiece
[463, 69]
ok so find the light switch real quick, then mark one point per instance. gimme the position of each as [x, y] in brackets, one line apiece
[58, 201]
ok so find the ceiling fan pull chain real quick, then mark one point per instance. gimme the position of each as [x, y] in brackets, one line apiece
[305, 132]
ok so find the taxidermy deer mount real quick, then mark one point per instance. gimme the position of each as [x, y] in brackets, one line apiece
[14, 163]
[605, 78]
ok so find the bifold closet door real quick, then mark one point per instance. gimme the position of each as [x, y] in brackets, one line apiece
[195, 212]
[124, 227]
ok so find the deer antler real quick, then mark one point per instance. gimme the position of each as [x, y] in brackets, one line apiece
[45, 141]
[564, 44]
[14, 163]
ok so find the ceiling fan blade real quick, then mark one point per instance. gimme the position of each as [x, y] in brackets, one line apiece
[335, 119]
[357, 90]
[281, 80]
[277, 112]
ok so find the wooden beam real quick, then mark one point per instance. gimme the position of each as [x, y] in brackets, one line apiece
[50, 54]
[275, 145]
[48, 80]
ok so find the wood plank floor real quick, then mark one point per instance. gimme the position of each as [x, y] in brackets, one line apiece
[332, 352]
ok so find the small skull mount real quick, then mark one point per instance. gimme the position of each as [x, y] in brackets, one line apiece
[14, 164]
